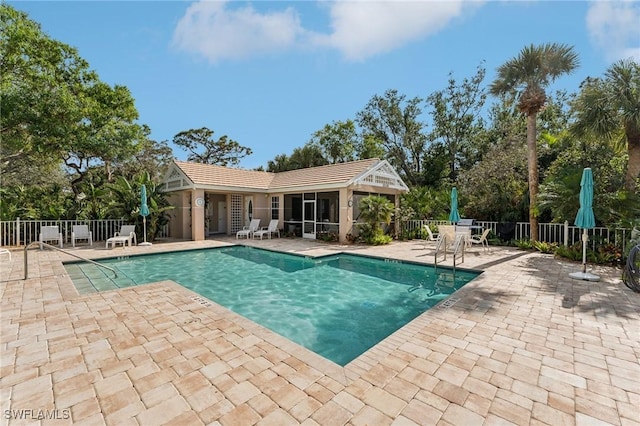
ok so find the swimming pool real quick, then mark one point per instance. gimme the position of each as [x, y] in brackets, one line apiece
[338, 306]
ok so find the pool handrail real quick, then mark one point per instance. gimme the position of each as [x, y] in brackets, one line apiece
[26, 263]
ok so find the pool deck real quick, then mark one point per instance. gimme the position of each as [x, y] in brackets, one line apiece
[522, 344]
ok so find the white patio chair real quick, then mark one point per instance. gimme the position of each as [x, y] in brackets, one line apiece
[49, 234]
[5, 251]
[248, 231]
[481, 239]
[81, 232]
[270, 230]
[431, 237]
[126, 234]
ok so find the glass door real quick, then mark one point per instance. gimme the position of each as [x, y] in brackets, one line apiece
[309, 216]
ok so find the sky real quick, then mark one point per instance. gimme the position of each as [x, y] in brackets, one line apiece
[268, 74]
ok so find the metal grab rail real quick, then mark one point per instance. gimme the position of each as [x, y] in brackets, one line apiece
[458, 246]
[442, 243]
[26, 263]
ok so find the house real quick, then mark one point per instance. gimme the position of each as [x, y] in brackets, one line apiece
[210, 199]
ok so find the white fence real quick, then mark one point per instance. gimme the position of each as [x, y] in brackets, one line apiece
[22, 232]
[560, 233]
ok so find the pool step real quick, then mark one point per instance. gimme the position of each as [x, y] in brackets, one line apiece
[89, 278]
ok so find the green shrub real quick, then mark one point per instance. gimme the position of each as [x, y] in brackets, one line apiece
[573, 252]
[524, 244]
[544, 247]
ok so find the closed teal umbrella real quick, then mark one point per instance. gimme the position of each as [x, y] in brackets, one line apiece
[454, 216]
[585, 220]
[144, 212]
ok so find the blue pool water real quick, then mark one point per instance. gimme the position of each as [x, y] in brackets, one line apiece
[338, 306]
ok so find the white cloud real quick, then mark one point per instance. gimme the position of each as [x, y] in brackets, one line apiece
[359, 29]
[365, 28]
[217, 32]
[614, 27]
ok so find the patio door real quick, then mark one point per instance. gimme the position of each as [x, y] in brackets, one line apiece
[309, 216]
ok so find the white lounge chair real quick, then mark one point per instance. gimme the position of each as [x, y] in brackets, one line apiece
[481, 239]
[81, 232]
[50, 233]
[5, 251]
[430, 235]
[270, 230]
[248, 231]
[127, 234]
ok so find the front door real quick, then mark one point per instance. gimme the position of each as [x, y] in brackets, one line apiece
[309, 219]
[248, 210]
[222, 216]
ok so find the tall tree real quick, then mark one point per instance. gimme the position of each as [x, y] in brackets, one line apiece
[307, 156]
[610, 108]
[393, 120]
[526, 77]
[337, 141]
[55, 110]
[457, 119]
[223, 151]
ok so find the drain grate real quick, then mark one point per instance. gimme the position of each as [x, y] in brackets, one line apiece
[448, 303]
[201, 300]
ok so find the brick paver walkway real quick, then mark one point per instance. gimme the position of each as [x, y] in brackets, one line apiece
[522, 344]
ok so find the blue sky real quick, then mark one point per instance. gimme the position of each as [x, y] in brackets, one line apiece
[268, 74]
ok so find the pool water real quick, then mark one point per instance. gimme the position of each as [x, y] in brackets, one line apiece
[338, 306]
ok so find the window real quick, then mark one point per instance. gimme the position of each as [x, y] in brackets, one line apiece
[275, 207]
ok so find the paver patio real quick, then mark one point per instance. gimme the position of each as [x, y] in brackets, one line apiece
[523, 344]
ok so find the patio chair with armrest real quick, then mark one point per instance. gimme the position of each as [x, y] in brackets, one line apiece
[481, 239]
[127, 234]
[81, 232]
[7, 252]
[270, 230]
[449, 233]
[431, 237]
[49, 234]
[247, 231]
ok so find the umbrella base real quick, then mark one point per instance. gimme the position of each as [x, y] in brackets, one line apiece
[585, 276]
[145, 244]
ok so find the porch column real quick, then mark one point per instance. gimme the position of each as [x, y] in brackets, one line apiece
[345, 213]
[396, 219]
[197, 215]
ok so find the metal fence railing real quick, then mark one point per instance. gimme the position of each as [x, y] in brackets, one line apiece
[560, 233]
[22, 232]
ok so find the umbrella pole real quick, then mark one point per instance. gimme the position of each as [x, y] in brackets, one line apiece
[584, 275]
[585, 238]
[144, 226]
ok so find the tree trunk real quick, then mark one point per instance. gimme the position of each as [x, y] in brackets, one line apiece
[633, 148]
[532, 161]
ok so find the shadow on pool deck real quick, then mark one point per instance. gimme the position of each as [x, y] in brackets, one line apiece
[523, 343]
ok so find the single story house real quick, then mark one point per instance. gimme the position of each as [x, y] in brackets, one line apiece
[210, 199]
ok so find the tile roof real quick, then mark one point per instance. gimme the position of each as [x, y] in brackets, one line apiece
[340, 173]
[208, 174]
[333, 174]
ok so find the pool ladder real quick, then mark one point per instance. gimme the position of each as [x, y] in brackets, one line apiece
[458, 250]
[26, 263]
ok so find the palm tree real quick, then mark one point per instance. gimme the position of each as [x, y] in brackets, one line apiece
[610, 108]
[526, 77]
[376, 209]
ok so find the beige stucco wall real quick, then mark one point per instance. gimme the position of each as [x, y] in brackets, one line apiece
[180, 222]
[187, 212]
[197, 215]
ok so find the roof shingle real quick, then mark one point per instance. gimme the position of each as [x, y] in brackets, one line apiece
[341, 173]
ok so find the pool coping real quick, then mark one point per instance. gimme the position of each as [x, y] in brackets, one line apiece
[343, 374]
